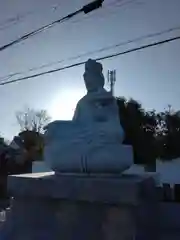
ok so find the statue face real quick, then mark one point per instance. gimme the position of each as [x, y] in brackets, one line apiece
[93, 82]
[93, 75]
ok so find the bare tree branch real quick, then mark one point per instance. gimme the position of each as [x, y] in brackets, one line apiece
[32, 120]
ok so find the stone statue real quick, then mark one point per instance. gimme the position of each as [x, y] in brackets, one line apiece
[92, 141]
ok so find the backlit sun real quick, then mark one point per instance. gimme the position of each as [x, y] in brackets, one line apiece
[64, 104]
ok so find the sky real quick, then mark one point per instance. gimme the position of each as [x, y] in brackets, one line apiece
[150, 76]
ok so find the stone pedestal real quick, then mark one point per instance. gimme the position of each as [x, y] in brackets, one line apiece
[87, 207]
[31, 218]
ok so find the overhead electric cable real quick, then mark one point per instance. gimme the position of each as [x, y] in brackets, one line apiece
[11, 21]
[86, 9]
[144, 37]
[97, 59]
[117, 4]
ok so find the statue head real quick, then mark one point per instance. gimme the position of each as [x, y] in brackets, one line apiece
[93, 76]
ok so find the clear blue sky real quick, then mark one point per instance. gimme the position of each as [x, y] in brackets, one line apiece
[151, 76]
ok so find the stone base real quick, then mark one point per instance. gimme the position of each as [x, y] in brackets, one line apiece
[95, 221]
[31, 218]
[71, 207]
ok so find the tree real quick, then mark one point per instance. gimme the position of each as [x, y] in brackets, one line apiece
[170, 134]
[131, 116]
[140, 128]
[152, 135]
[150, 144]
[32, 120]
[32, 123]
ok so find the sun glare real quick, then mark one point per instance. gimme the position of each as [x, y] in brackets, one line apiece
[64, 104]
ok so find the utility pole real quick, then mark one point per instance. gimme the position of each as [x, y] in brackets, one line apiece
[112, 80]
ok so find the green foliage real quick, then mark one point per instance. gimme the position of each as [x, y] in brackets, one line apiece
[152, 135]
[33, 143]
[170, 136]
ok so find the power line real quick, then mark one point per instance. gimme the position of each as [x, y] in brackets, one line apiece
[97, 59]
[144, 37]
[114, 3]
[117, 4]
[86, 9]
[11, 21]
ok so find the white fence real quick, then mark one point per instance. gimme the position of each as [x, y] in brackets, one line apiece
[169, 172]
